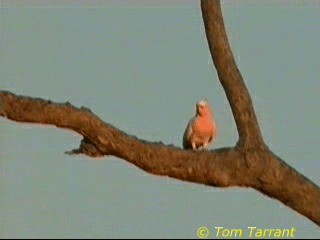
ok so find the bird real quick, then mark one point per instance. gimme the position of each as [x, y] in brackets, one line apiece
[201, 129]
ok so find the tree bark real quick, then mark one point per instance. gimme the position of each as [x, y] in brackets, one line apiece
[249, 164]
[230, 76]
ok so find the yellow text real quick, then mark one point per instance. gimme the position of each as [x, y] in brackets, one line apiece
[267, 233]
[227, 233]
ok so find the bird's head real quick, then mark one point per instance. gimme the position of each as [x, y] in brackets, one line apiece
[203, 108]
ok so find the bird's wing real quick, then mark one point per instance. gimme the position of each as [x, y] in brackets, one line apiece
[186, 136]
[213, 133]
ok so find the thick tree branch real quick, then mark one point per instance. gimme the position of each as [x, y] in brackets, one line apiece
[230, 77]
[256, 168]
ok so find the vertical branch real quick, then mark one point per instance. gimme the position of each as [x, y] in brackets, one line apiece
[230, 77]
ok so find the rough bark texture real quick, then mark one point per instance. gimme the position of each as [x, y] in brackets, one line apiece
[249, 164]
[230, 76]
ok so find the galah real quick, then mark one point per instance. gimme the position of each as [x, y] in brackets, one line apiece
[201, 129]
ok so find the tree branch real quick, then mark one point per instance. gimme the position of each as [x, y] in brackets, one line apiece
[230, 77]
[259, 169]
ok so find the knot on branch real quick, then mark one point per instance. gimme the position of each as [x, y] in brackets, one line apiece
[87, 148]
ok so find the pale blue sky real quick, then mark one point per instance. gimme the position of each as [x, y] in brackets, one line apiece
[142, 68]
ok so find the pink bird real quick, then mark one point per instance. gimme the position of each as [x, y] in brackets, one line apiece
[201, 129]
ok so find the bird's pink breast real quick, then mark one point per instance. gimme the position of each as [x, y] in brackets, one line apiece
[202, 130]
